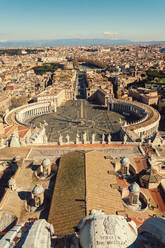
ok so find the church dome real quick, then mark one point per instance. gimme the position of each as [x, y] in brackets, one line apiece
[11, 181]
[125, 161]
[134, 188]
[46, 162]
[38, 189]
[112, 227]
[155, 228]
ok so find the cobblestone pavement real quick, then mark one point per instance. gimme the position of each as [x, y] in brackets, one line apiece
[80, 116]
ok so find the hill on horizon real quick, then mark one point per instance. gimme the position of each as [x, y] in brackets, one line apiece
[72, 42]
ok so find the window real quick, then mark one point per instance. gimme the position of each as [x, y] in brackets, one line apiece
[45, 172]
[125, 170]
[134, 199]
[37, 201]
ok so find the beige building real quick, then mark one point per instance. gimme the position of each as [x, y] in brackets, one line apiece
[4, 103]
[146, 96]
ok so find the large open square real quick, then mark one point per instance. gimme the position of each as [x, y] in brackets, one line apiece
[78, 117]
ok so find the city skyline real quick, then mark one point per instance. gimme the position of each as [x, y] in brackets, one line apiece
[37, 20]
[82, 124]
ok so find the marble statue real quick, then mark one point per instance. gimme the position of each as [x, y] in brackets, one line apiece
[45, 139]
[142, 139]
[45, 124]
[67, 139]
[40, 125]
[60, 140]
[93, 138]
[2, 142]
[103, 138]
[77, 139]
[109, 139]
[124, 139]
[15, 142]
[85, 138]
[22, 142]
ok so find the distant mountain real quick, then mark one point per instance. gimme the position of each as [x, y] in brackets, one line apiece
[72, 42]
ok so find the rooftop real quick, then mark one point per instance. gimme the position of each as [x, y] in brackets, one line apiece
[68, 201]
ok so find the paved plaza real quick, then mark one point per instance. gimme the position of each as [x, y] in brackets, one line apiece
[78, 117]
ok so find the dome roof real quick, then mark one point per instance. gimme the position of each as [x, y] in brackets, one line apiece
[156, 228]
[46, 162]
[11, 181]
[134, 188]
[112, 227]
[125, 161]
[38, 189]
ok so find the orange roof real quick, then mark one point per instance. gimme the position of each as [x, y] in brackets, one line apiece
[10, 87]
[122, 182]
[8, 128]
[22, 131]
[141, 164]
[158, 199]
[139, 219]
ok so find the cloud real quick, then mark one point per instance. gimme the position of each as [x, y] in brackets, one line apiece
[111, 33]
[1, 41]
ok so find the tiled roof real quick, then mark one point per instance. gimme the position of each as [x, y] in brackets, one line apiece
[68, 201]
[99, 194]
[94, 188]
[22, 131]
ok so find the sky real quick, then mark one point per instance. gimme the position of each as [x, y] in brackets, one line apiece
[137, 20]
